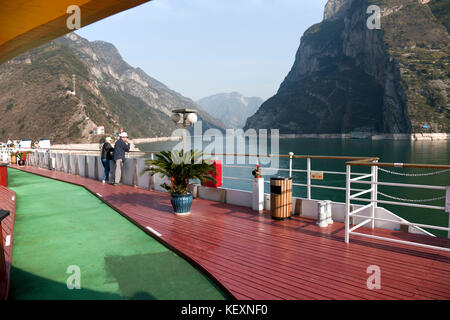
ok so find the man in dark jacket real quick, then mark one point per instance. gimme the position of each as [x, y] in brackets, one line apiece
[120, 148]
[107, 156]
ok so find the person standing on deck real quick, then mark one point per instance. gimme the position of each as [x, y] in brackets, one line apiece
[120, 148]
[107, 156]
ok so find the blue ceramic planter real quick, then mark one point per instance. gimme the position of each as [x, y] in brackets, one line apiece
[181, 203]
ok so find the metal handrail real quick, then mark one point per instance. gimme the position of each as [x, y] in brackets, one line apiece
[406, 185]
[373, 201]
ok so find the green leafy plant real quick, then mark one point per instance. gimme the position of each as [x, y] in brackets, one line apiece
[180, 168]
[22, 155]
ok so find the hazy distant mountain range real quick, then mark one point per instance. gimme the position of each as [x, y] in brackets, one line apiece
[36, 100]
[347, 77]
[232, 109]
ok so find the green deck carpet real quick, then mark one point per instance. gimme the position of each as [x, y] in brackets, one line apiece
[59, 225]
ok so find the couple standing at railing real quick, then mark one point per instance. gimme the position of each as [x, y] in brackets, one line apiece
[117, 154]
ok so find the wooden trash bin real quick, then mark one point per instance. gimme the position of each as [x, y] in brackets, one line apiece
[281, 198]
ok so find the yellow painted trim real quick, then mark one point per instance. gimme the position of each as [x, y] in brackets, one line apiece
[26, 24]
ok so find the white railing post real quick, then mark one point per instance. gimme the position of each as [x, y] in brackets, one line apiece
[291, 154]
[152, 179]
[373, 194]
[258, 194]
[86, 165]
[347, 203]
[308, 169]
[69, 166]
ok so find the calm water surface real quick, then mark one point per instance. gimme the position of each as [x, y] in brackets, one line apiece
[430, 152]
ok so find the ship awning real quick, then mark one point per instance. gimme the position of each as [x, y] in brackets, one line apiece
[26, 24]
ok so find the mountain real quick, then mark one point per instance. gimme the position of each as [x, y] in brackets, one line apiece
[347, 77]
[232, 109]
[36, 100]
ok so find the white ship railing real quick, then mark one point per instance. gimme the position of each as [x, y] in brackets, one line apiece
[373, 201]
[352, 193]
[309, 186]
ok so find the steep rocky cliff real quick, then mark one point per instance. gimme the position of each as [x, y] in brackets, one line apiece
[232, 108]
[347, 77]
[36, 100]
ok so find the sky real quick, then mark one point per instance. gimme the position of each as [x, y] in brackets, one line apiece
[203, 47]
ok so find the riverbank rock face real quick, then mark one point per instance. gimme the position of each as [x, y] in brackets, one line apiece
[348, 77]
[38, 101]
[335, 9]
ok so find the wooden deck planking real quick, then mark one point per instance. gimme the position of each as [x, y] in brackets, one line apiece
[306, 274]
[244, 250]
[260, 263]
[204, 236]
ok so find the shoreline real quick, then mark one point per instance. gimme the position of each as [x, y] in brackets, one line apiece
[357, 135]
[157, 139]
[86, 147]
[368, 136]
[97, 146]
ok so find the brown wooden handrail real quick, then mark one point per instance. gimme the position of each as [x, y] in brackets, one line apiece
[233, 154]
[293, 157]
[399, 165]
[357, 161]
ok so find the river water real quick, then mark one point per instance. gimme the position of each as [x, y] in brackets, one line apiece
[429, 152]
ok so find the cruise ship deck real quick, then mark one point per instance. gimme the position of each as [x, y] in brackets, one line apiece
[255, 257]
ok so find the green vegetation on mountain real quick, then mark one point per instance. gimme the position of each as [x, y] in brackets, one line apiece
[420, 45]
[134, 115]
[347, 77]
[38, 102]
[441, 10]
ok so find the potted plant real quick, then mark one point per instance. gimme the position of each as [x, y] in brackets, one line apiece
[22, 157]
[14, 157]
[180, 168]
